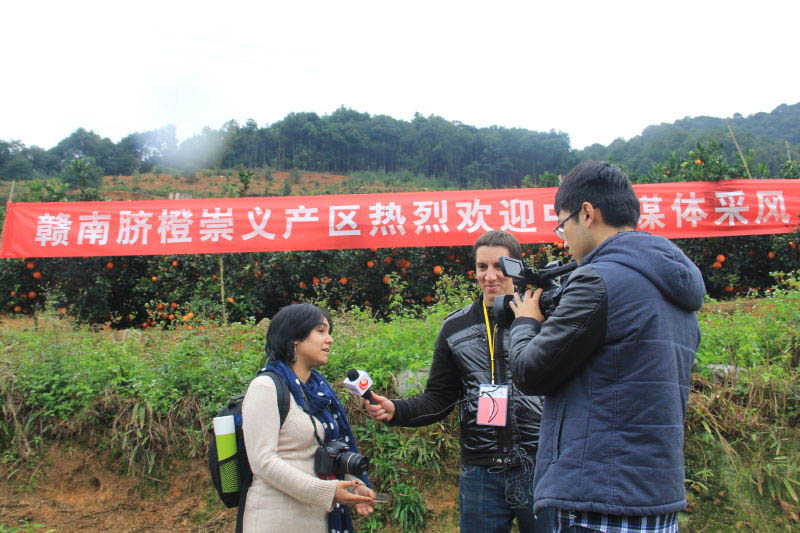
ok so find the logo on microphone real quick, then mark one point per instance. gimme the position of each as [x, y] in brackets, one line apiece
[363, 384]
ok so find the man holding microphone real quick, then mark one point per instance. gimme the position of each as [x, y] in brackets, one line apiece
[499, 424]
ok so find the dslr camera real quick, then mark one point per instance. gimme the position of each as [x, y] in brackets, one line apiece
[548, 279]
[334, 457]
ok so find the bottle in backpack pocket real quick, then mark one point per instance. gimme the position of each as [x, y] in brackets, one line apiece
[225, 435]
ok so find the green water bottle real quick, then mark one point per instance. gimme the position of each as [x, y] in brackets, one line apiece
[225, 435]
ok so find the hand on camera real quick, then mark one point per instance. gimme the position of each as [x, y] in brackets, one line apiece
[529, 307]
[383, 410]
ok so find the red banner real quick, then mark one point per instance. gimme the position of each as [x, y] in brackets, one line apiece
[389, 220]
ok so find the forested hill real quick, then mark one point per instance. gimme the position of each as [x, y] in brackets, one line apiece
[762, 135]
[347, 140]
[343, 141]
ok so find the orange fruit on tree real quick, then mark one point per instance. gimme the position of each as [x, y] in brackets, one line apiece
[37, 275]
[343, 280]
[175, 264]
[728, 288]
[230, 300]
[326, 280]
[109, 265]
[386, 279]
[716, 264]
[721, 258]
[437, 270]
[303, 285]
[373, 249]
[771, 254]
[62, 310]
[792, 245]
[154, 278]
[173, 305]
[31, 265]
[698, 161]
[191, 315]
[560, 245]
[13, 293]
[370, 264]
[190, 326]
[315, 280]
[160, 306]
[17, 308]
[470, 274]
[387, 260]
[171, 317]
[428, 298]
[213, 276]
[32, 295]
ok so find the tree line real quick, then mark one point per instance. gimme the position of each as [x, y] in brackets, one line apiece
[343, 141]
[346, 141]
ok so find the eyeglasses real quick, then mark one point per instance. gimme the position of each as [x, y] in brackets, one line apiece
[559, 230]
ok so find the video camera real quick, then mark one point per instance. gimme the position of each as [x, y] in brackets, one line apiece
[547, 278]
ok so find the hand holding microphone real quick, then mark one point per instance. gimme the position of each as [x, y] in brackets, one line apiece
[359, 383]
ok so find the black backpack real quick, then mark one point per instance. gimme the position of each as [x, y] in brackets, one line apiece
[234, 407]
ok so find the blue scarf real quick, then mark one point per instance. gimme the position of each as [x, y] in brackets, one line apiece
[326, 407]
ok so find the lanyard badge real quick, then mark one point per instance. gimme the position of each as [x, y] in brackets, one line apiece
[492, 399]
[492, 405]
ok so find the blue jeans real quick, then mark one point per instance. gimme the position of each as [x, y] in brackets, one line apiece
[484, 509]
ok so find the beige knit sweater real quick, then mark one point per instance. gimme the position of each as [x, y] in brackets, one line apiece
[285, 495]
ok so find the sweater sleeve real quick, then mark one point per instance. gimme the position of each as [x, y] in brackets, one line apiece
[261, 441]
[441, 391]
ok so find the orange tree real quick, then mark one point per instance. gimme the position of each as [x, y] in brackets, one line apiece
[730, 265]
[184, 291]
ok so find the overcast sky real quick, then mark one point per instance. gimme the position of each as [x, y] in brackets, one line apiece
[595, 70]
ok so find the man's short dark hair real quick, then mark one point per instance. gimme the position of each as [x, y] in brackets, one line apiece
[292, 323]
[498, 237]
[604, 186]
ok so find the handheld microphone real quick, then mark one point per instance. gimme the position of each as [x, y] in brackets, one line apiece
[358, 383]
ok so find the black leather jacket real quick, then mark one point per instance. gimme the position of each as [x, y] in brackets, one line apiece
[461, 363]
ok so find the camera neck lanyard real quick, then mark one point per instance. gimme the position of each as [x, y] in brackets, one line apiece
[490, 336]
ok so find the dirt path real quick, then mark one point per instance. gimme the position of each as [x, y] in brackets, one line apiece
[74, 492]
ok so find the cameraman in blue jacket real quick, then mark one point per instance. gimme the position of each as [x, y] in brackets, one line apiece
[613, 362]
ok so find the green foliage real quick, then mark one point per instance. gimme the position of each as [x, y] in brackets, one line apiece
[245, 178]
[148, 396]
[23, 526]
[548, 179]
[762, 137]
[82, 173]
[51, 190]
[409, 510]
